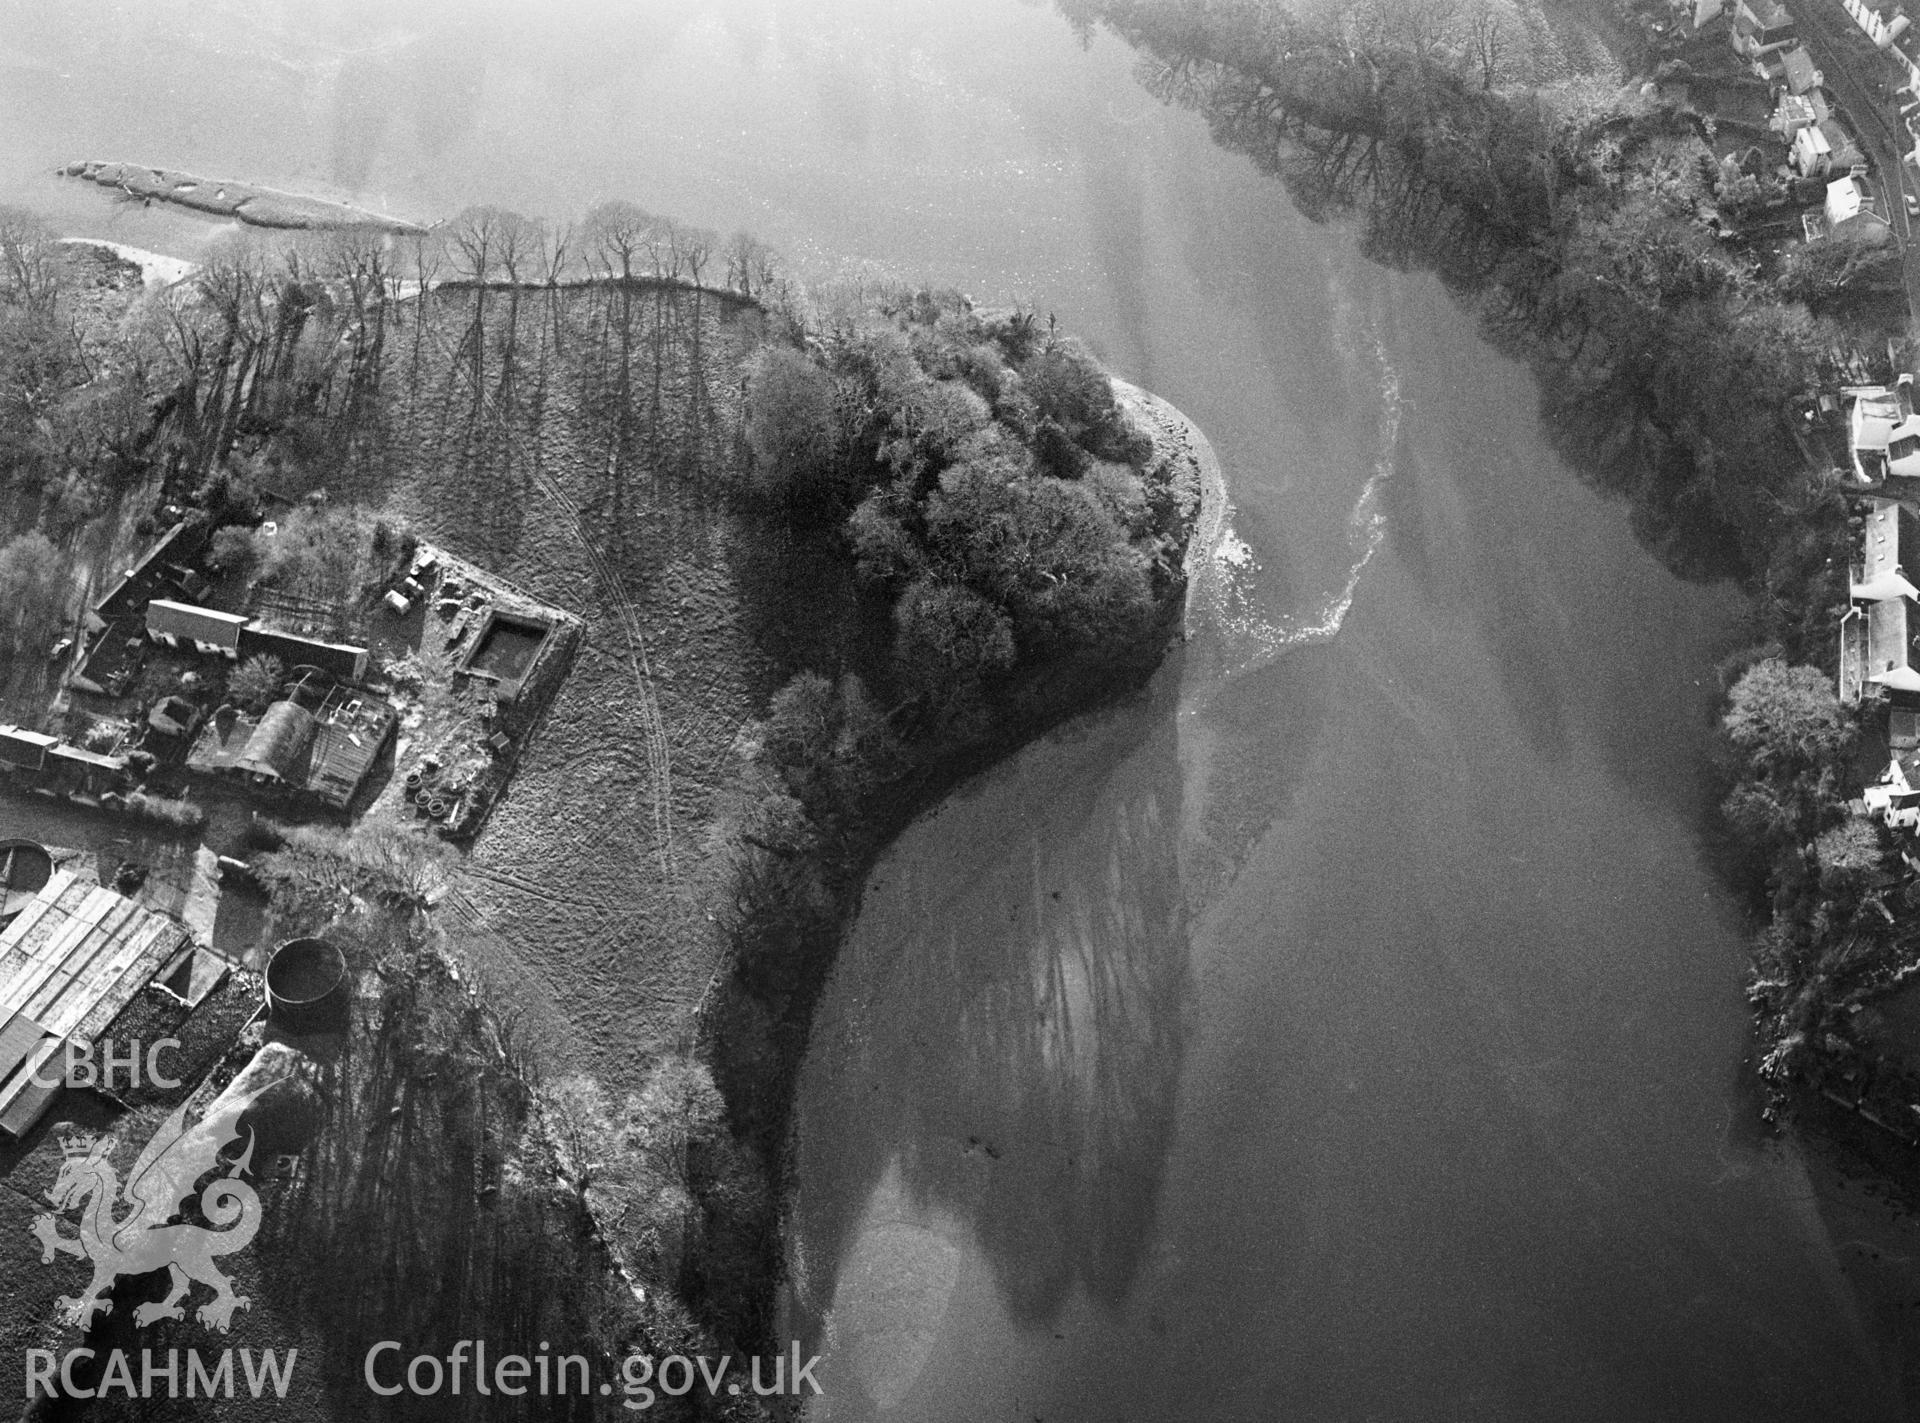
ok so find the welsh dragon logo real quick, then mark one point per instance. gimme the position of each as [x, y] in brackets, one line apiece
[151, 1236]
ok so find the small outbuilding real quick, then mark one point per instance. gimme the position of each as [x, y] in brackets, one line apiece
[174, 716]
[24, 750]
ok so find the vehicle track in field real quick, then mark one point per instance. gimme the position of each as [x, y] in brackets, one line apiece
[619, 602]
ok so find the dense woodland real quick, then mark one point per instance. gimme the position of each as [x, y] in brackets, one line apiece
[1677, 340]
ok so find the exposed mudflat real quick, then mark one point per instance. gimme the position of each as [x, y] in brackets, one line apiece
[250, 203]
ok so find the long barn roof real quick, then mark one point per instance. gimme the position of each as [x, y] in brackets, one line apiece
[70, 963]
[192, 621]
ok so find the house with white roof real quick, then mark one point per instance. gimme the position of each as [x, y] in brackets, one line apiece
[1853, 214]
[1884, 433]
[1895, 797]
[1824, 149]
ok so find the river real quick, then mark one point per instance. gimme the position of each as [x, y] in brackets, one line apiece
[1347, 1027]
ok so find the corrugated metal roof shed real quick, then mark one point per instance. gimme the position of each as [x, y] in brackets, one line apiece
[349, 739]
[280, 744]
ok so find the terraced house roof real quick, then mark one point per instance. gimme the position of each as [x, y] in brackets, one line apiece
[1890, 652]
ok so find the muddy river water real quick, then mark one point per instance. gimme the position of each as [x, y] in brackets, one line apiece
[1347, 1028]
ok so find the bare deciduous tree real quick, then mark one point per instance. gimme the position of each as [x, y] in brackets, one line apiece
[558, 251]
[29, 269]
[696, 246]
[616, 234]
[1486, 42]
[519, 246]
[474, 238]
[750, 264]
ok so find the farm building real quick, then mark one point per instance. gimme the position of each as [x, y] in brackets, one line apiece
[277, 750]
[164, 565]
[186, 624]
[233, 636]
[57, 765]
[325, 752]
[70, 963]
[24, 750]
[74, 770]
[340, 660]
[351, 729]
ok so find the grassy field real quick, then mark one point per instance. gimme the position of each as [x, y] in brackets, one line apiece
[584, 444]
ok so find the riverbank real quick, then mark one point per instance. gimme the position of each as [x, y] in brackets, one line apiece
[1180, 438]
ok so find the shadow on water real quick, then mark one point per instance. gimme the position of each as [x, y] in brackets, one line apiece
[1015, 1063]
[1005, 1080]
[1579, 651]
[1263, 726]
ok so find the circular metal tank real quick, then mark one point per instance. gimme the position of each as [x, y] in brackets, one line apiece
[307, 986]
